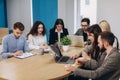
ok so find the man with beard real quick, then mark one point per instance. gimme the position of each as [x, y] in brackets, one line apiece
[109, 69]
[14, 44]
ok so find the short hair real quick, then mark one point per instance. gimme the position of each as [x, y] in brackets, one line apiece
[108, 36]
[18, 25]
[104, 25]
[86, 20]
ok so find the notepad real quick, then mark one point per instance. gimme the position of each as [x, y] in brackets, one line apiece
[25, 55]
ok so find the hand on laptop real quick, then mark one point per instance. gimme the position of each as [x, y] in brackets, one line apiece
[75, 56]
[83, 59]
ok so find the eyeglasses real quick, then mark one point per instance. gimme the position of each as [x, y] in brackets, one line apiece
[84, 25]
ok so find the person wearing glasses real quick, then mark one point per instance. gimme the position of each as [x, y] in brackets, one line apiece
[85, 23]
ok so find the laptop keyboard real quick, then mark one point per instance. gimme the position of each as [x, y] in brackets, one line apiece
[64, 59]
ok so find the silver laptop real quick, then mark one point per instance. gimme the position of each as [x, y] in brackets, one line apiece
[77, 41]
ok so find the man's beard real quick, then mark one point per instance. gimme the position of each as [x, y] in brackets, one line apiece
[102, 49]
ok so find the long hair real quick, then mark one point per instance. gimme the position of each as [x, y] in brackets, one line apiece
[34, 29]
[94, 29]
[110, 38]
[58, 21]
[104, 25]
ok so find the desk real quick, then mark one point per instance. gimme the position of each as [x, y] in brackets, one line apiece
[38, 67]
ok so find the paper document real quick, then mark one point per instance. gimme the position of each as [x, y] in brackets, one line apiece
[25, 55]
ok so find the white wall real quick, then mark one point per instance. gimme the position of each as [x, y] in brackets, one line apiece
[19, 10]
[106, 9]
[71, 11]
[89, 10]
[109, 10]
[62, 10]
[66, 12]
[70, 15]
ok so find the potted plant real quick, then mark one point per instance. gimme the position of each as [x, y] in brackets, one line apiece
[65, 42]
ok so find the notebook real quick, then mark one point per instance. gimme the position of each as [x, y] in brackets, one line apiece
[59, 58]
[25, 55]
[77, 41]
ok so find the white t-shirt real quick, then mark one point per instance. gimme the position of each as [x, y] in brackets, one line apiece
[35, 42]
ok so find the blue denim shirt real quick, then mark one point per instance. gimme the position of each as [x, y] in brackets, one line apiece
[11, 44]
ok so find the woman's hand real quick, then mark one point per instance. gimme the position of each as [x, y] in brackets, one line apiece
[75, 56]
[44, 46]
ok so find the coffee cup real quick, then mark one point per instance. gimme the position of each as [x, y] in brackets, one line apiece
[41, 51]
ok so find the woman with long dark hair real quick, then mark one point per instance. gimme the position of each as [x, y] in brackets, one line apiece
[57, 32]
[92, 50]
[90, 55]
[37, 36]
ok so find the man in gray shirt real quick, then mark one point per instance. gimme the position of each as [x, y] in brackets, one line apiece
[15, 43]
[85, 23]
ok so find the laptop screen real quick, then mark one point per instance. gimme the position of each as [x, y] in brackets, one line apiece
[59, 58]
[77, 41]
[56, 50]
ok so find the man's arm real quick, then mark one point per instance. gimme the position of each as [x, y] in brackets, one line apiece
[5, 53]
[109, 65]
[91, 64]
[79, 32]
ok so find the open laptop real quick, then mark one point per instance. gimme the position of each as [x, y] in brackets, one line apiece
[77, 41]
[59, 58]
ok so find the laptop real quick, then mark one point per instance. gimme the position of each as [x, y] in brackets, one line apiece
[59, 58]
[77, 41]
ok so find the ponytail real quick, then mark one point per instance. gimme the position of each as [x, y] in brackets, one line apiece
[117, 44]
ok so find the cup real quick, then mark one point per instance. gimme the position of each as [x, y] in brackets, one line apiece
[41, 51]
